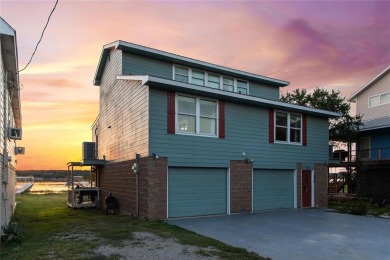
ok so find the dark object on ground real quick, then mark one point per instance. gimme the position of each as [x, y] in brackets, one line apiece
[111, 203]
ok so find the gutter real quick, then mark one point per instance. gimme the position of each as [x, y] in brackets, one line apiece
[167, 84]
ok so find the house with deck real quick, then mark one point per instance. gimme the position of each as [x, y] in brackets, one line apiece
[180, 137]
[10, 119]
[373, 148]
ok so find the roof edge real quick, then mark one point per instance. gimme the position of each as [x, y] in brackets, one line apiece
[102, 61]
[236, 96]
[357, 93]
[119, 44]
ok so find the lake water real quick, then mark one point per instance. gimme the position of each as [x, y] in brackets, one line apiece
[47, 187]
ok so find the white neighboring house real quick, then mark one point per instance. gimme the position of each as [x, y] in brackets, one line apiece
[373, 102]
[10, 119]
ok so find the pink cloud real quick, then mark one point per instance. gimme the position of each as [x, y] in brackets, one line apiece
[334, 44]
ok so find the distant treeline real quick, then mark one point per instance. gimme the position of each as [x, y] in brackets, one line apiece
[51, 175]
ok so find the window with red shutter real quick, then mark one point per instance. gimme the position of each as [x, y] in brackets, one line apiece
[286, 127]
[271, 125]
[171, 112]
[221, 119]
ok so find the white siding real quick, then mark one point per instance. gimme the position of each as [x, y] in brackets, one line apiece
[124, 115]
[7, 190]
[2, 186]
[379, 87]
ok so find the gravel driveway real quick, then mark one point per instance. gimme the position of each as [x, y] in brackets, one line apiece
[145, 245]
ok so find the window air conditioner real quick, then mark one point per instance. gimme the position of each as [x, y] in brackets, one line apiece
[20, 150]
[15, 133]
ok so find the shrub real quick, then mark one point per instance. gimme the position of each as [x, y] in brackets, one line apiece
[359, 208]
[10, 233]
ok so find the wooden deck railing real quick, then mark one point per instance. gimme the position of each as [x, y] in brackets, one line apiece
[374, 154]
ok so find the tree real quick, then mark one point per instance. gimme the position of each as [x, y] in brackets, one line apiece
[342, 129]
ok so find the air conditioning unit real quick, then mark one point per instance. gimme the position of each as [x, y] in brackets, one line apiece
[20, 150]
[89, 151]
[15, 133]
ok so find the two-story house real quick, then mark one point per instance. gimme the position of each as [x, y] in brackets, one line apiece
[10, 119]
[373, 102]
[209, 139]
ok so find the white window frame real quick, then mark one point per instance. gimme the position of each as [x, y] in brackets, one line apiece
[183, 67]
[379, 96]
[288, 128]
[197, 116]
[206, 73]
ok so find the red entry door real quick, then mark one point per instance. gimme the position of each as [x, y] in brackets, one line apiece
[306, 189]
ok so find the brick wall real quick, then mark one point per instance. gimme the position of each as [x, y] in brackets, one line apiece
[321, 185]
[153, 188]
[120, 180]
[240, 186]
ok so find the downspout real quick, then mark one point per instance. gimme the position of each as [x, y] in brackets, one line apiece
[96, 143]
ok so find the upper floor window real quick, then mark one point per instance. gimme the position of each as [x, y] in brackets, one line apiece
[181, 74]
[213, 81]
[203, 78]
[288, 127]
[197, 77]
[228, 84]
[380, 99]
[242, 87]
[196, 115]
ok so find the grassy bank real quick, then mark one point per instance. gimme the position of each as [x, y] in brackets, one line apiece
[359, 207]
[52, 231]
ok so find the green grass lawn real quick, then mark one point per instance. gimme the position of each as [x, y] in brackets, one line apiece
[46, 221]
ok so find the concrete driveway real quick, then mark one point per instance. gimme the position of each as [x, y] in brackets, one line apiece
[298, 233]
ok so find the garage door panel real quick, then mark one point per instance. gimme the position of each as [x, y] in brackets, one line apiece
[196, 191]
[273, 189]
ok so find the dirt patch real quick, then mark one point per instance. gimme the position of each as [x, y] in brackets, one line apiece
[85, 236]
[146, 245]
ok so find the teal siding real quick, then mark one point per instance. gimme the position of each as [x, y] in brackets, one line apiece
[246, 130]
[273, 189]
[196, 192]
[263, 91]
[133, 64]
[139, 65]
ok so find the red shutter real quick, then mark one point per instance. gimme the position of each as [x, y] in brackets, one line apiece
[221, 119]
[271, 125]
[171, 112]
[304, 130]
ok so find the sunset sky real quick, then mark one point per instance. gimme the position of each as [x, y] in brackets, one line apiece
[331, 44]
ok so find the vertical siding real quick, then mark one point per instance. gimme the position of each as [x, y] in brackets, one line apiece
[139, 65]
[263, 91]
[2, 89]
[124, 115]
[7, 206]
[2, 205]
[381, 86]
[246, 130]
